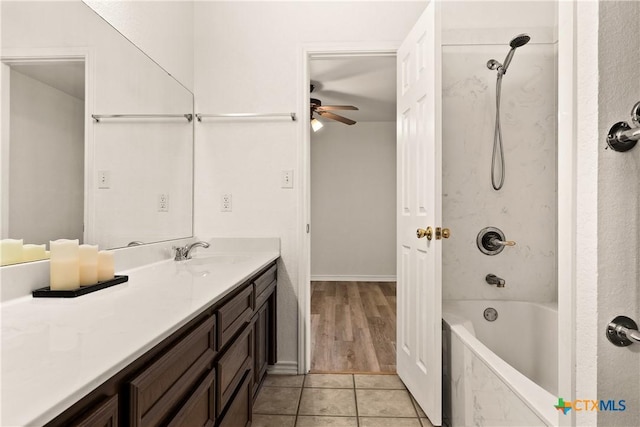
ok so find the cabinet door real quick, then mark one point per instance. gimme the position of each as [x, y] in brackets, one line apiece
[232, 366]
[199, 409]
[239, 412]
[103, 415]
[261, 348]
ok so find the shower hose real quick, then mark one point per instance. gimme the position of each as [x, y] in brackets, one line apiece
[498, 150]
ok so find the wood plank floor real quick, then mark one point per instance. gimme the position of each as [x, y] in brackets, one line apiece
[353, 327]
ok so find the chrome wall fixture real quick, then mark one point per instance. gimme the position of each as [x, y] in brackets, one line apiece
[623, 331]
[292, 116]
[622, 137]
[491, 241]
[98, 117]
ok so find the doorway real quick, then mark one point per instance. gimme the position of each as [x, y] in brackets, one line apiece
[44, 108]
[352, 199]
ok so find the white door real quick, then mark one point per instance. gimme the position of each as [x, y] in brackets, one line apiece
[419, 260]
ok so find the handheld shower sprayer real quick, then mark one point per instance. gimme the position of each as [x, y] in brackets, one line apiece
[518, 41]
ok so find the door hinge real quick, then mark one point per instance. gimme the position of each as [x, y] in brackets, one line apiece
[307, 228]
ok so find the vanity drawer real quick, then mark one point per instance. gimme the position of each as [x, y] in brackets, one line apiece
[264, 296]
[103, 415]
[234, 315]
[155, 393]
[232, 366]
[263, 282]
[199, 409]
[239, 412]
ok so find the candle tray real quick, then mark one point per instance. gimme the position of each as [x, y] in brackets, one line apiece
[72, 293]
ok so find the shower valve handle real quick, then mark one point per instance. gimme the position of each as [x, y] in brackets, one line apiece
[497, 242]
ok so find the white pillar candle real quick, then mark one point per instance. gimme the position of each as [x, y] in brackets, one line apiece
[88, 265]
[33, 252]
[65, 264]
[105, 266]
[10, 251]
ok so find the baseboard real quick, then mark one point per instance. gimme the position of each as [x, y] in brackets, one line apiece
[339, 278]
[283, 368]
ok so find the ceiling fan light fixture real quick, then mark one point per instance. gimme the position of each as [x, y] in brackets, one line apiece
[316, 125]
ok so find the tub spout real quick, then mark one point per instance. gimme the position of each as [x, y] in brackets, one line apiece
[492, 279]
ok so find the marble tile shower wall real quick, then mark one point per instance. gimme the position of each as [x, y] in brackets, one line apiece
[525, 208]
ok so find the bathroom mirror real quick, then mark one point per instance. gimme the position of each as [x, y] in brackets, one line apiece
[124, 176]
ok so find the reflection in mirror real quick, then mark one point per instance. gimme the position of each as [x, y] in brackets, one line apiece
[46, 150]
[65, 175]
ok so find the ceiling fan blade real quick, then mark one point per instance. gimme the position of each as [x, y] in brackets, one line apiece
[336, 107]
[329, 115]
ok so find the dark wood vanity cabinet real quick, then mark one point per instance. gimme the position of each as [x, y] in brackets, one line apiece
[205, 374]
[263, 324]
[104, 414]
[158, 391]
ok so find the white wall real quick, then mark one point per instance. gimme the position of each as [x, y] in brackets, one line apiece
[47, 162]
[162, 29]
[618, 207]
[525, 208]
[353, 195]
[248, 59]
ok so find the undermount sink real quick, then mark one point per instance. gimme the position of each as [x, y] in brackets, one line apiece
[218, 259]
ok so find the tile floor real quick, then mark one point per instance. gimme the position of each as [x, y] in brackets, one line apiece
[336, 400]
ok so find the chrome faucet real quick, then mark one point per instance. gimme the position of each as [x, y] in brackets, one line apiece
[492, 279]
[184, 252]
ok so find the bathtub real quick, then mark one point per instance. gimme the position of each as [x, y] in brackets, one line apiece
[501, 372]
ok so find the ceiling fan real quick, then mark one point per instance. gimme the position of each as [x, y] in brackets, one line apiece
[325, 111]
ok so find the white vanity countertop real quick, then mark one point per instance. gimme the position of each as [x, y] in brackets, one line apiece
[57, 350]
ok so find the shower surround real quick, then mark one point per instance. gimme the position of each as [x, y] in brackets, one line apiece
[525, 208]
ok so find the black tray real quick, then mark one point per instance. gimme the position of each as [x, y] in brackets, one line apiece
[48, 293]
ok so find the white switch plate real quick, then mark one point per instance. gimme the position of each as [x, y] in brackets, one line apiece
[225, 203]
[104, 179]
[163, 202]
[286, 179]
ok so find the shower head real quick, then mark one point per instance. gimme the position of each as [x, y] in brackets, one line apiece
[518, 41]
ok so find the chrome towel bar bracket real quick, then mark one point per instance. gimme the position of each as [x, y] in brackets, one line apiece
[622, 137]
[623, 331]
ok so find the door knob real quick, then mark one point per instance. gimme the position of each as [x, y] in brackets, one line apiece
[428, 233]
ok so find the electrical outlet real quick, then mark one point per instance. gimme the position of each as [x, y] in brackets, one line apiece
[104, 179]
[225, 203]
[163, 202]
[286, 179]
